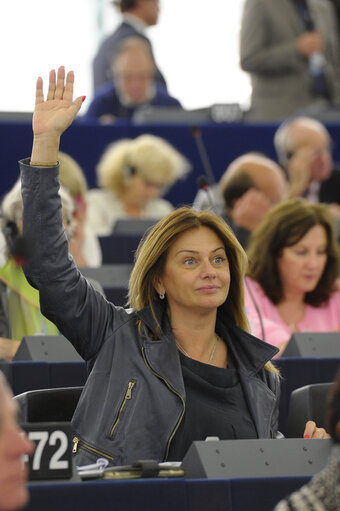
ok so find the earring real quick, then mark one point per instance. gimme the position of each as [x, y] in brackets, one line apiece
[161, 296]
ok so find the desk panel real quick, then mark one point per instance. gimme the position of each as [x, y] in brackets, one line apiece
[164, 495]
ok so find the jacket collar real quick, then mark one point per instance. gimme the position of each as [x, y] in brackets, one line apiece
[250, 352]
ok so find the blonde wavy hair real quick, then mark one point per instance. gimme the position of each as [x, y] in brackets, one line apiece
[149, 156]
[71, 175]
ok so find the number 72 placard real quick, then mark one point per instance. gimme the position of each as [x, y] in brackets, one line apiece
[53, 451]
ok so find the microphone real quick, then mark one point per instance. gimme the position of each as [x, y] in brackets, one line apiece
[202, 151]
[257, 308]
[203, 194]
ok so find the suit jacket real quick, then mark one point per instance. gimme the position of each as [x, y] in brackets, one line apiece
[280, 77]
[330, 189]
[106, 101]
[102, 62]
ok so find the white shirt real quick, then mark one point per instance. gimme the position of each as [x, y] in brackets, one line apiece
[104, 208]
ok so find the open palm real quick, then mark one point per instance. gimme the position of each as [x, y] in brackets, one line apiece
[55, 114]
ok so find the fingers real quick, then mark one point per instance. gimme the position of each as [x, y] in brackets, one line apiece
[59, 91]
[39, 95]
[68, 91]
[75, 107]
[51, 86]
[312, 431]
[309, 429]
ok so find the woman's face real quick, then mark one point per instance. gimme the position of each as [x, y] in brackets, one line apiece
[140, 191]
[196, 274]
[301, 265]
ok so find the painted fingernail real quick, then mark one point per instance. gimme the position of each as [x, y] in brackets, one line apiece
[83, 98]
[306, 436]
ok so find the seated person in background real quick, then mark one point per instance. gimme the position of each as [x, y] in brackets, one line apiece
[293, 268]
[14, 444]
[138, 15]
[251, 186]
[179, 364]
[133, 85]
[19, 302]
[303, 146]
[84, 244]
[322, 493]
[132, 175]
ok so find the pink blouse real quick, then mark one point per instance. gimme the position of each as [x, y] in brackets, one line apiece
[325, 318]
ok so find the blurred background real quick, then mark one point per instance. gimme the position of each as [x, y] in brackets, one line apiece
[195, 43]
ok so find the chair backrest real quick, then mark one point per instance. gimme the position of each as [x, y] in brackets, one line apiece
[307, 403]
[48, 405]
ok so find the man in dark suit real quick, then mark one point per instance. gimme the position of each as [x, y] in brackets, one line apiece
[303, 146]
[137, 16]
[133, 85]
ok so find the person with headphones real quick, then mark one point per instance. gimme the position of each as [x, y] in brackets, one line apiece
[132, 174]
[19, 302]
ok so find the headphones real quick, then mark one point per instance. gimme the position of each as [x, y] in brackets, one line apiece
[129, 171]
[11, 233]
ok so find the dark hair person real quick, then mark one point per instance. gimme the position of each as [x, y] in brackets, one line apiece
[293, 269]
[178, 366]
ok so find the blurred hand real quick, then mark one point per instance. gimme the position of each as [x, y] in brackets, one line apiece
[8, 348]
[249, 210]
[299, 168]
[334, 210]
[312, 431]
[308, 43]
[107, 119]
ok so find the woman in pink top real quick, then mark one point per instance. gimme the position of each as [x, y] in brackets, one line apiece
[293, 270]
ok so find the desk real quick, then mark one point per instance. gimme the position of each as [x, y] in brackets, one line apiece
[164, 495]
[86, 142]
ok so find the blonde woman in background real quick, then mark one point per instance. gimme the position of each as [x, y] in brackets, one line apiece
[84, 244]
[132, 175]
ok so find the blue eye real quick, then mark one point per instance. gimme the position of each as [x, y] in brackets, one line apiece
[189, 261]
[218, 259]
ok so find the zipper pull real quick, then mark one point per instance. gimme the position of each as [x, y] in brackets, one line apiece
[129, 389]
[75, 444]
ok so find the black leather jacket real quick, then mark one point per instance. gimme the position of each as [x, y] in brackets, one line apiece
[134, 398]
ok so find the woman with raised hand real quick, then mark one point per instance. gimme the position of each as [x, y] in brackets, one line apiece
[179, 364]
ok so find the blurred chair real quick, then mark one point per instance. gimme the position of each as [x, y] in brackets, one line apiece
[137, 226]
[48, 405]
[114, 279]
[307, 403]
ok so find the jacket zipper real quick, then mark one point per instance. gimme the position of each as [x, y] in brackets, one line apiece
[77, 442]
[177, 394]
[128, 395]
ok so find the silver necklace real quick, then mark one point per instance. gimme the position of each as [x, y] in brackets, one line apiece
[212, 351]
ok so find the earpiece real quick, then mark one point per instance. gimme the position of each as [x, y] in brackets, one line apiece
[10, 232]
[129, 171]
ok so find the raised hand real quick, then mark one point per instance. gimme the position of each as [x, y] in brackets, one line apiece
[52, 116]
